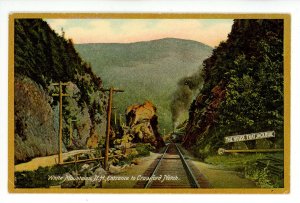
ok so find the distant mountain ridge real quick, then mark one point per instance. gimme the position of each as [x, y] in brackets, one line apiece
[147, 70]
[124, 54]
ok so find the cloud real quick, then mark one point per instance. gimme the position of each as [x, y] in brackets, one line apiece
[133, 30]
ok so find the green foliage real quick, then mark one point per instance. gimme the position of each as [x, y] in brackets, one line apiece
[246, 164]
[204, 152]
[39, 177]
[144, 149]
[146, 70]
[42, 57]
[262, 177]
[236, 162]
[249, 67]
[126, 160]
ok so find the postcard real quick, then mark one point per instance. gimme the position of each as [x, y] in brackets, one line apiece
[149, 103]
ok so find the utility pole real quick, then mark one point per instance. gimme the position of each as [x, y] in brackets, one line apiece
[70, 130]
[60, 95]
[109, 108]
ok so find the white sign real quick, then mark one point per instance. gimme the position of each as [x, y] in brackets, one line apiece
[251, 136]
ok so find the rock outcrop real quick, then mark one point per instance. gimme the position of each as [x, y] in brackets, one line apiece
[143, 125]
[243, 90]
[201, 121]
[43, 58]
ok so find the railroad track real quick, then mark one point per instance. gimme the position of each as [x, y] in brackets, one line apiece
[171, 170]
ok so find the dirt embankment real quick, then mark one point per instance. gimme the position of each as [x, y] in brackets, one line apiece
[45, 161]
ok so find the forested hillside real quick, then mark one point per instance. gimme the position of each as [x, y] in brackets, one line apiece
[42, 57]
[146, 70]
[243, 87]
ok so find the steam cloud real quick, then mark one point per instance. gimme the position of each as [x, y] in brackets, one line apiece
[184, 94]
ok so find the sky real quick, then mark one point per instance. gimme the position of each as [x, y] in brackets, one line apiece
[207, 31]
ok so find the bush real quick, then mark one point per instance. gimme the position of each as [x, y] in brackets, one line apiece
[247, 165]
[39, 177]
[144, 149]
[262, 177]
[203, 153]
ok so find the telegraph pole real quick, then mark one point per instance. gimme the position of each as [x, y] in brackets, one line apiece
[60, 95]
[109, 108]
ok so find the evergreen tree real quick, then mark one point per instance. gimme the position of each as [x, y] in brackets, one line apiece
[243, 88]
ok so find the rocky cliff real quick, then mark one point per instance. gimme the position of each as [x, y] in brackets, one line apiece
[243, 87]
[42, 57]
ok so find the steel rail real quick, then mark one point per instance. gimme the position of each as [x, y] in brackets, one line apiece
[149, 182]
[190, 174]
[192, 179]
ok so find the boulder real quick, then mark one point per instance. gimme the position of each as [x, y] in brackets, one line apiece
[143, 124]
[100, 172]
[115, 169]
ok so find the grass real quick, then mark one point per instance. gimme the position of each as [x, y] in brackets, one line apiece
[39, 178]
[234, 162]
[246, 164]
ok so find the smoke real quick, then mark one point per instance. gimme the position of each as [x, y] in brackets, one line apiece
[184, 94]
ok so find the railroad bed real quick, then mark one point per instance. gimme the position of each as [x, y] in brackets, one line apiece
[171, 170]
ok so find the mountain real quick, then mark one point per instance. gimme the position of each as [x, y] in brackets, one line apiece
[42, 58]
[147, 70]
[243, 88]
